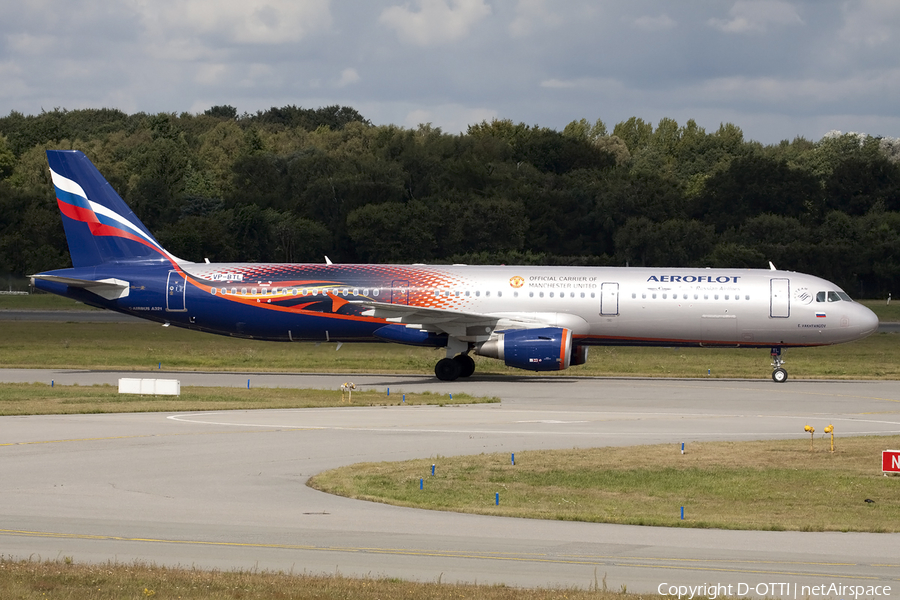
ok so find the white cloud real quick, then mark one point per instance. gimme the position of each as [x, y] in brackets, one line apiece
[348, 77]
[532, 15]
[451, 118]
[211, 73]
[870, 22]
[26, 43]
[589, 84]
[660, 23]
[237, 21]
[436, 21]
[756, 16]
[780, 93]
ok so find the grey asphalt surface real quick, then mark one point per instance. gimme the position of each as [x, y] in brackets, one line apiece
[227, 489]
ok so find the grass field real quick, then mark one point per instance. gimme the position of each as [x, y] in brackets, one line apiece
[64, 579]
[146, 346]
[40, 301]
[42, 399]
[771, 485]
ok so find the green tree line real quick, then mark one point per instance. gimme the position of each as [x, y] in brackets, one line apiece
[294, 184]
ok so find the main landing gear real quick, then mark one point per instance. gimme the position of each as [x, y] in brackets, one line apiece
[449, 369]
[779, 375]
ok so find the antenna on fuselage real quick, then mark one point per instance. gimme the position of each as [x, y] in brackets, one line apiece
[328, 260]
[771, 266]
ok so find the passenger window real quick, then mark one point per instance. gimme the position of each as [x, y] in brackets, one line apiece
[664, 296]
[541, 294]
[716, 297]
[365, 292]
[531, 294]
[233, 291]
[643, 296]
[515, 294]
[499, 294]
[696, 296]
[486, 294]
[582, 294]
[592, 294]
[551, 294]
[747, 297]
[726, 296]
[654, 296]
[375, 292]
[478, 293]
[213, 291]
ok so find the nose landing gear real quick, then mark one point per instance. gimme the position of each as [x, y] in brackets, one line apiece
[779, 374]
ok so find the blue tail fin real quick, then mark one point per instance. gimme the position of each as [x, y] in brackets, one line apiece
[100, 228]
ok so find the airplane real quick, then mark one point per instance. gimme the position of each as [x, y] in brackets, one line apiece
[530, 317]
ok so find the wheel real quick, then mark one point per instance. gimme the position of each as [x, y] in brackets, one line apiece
[779, 375]
[466, 364]
[447, 369]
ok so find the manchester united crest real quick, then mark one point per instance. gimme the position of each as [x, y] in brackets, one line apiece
[516, 282]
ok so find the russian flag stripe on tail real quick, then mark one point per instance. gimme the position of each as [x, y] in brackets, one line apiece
[100, 228]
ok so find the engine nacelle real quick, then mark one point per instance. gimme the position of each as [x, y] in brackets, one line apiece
[544, 349]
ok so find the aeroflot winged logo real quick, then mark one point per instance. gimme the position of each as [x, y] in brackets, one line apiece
[74, 203]
[693, 278]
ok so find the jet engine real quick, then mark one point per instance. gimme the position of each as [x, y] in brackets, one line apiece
[544, 349]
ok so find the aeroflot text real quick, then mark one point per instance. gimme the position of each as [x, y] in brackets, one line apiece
[693, 279]
[784, 590]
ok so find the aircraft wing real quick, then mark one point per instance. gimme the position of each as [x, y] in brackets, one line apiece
[105, 288]
[458, 324]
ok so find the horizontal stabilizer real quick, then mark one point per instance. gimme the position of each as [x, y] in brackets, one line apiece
[111, 289]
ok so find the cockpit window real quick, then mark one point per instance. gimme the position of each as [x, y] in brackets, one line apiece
[832, 297]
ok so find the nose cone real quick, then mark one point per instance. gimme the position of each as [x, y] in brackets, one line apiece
[866, 321]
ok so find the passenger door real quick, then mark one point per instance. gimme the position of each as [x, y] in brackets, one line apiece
[780, 298]
[609, 299]
[175, 291]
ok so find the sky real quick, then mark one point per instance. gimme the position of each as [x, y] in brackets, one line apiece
[776, 69]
